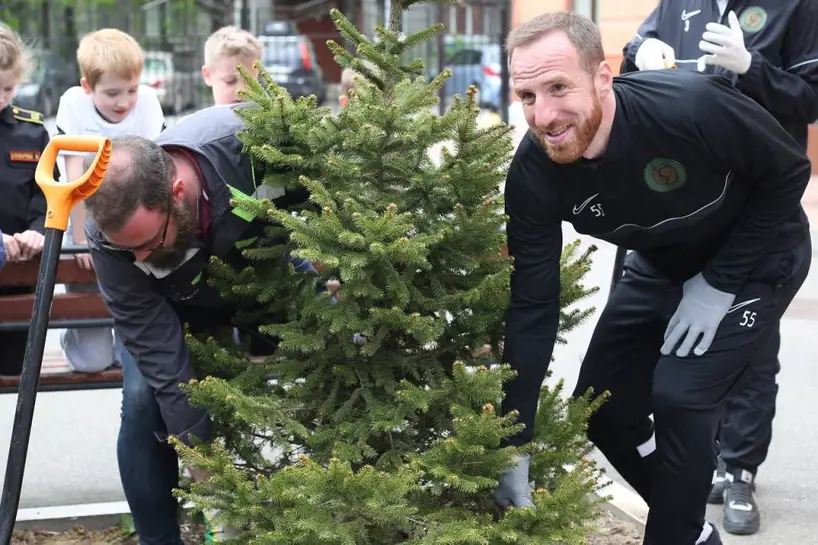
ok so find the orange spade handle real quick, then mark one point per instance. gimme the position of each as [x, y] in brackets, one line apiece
[61, 197]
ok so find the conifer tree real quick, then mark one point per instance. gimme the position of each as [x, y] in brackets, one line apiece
[397, 438]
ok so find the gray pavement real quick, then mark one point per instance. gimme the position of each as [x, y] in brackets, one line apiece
[72, 457]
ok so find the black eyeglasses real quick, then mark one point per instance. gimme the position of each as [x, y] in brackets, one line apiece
[145, 247]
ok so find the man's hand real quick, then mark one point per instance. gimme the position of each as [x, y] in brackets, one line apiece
[31, 243]
[513, 487]
[13, 252]
[654, 54]
[78, 237]
[84, 261]
[700, 312]
[725, 45]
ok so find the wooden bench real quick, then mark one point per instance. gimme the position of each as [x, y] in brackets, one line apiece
[68, 310]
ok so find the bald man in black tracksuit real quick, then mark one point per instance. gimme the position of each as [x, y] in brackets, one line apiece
[769, 50]
[705, 186]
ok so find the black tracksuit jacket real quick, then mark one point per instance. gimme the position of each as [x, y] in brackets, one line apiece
[696, 177]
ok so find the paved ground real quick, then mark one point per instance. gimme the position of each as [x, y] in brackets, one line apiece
[72, 455]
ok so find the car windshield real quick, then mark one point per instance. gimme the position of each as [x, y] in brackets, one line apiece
[155, 65]
[281, 51]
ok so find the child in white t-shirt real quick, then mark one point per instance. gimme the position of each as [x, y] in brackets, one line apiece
[108, 102]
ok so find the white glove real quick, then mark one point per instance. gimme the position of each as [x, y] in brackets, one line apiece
[725, 45]
[654, 54]
[513, 487]
[700, 312]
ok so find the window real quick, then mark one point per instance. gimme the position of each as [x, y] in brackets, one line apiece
[588, 8]
[155, 65]
[281, 51]
[465, 57]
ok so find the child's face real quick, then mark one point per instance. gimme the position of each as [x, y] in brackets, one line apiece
[113, 96]
[224, 80]
[8, 82]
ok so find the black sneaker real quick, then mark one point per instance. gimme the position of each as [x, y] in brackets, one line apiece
[741, 515]
[717, 490]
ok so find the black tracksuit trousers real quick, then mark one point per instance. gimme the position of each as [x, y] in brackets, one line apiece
[685, 395]
[747, 419]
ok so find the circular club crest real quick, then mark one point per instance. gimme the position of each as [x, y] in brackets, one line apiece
[665, 175]
[752, 19]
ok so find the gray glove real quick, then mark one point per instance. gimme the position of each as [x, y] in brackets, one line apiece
[700, 312]
[513, 486]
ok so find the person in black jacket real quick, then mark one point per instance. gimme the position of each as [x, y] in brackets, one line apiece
[162, 213]
[769, 51]
[22, 203]
[705, 186]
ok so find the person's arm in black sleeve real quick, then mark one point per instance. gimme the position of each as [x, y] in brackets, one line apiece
[757, 151]
[36, 200]
[648, 29]
[789, 93]
[534, 234]
[153, 335]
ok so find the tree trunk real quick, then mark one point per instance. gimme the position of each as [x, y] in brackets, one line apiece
[45, 23]
[69, 41]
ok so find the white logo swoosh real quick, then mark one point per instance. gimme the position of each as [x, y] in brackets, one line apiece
[686, 15]
[742, 305]
[578, 209]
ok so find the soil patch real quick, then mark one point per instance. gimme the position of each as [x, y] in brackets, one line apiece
[611, 531]
[192, 534]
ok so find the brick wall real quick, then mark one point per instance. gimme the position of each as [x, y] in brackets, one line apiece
[523, 10]
[618, 22]
[319, 30]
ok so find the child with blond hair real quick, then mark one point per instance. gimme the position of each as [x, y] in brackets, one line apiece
[22, 204]
[224, 51]
[109, 101]
[350, 80]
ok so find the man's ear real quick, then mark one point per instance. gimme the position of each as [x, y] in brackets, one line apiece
[343, 100]
[604, 78]
[206, 75]
[85, 87]
[178, 189]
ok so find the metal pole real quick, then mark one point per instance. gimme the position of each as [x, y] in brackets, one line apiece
[29, 380]
[505, 88]
[60, 197]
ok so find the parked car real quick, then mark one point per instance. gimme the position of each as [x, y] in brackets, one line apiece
[479, 66]
[289, 57]
[175, 80]
[49, 79]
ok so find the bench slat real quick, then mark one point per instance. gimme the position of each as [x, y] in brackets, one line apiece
[111, 378]
[24, 273]
[18, 308]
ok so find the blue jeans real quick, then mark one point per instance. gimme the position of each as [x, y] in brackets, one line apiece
[148, 468]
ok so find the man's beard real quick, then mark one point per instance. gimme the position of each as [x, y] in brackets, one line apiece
[584, 133]
[169, 257]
